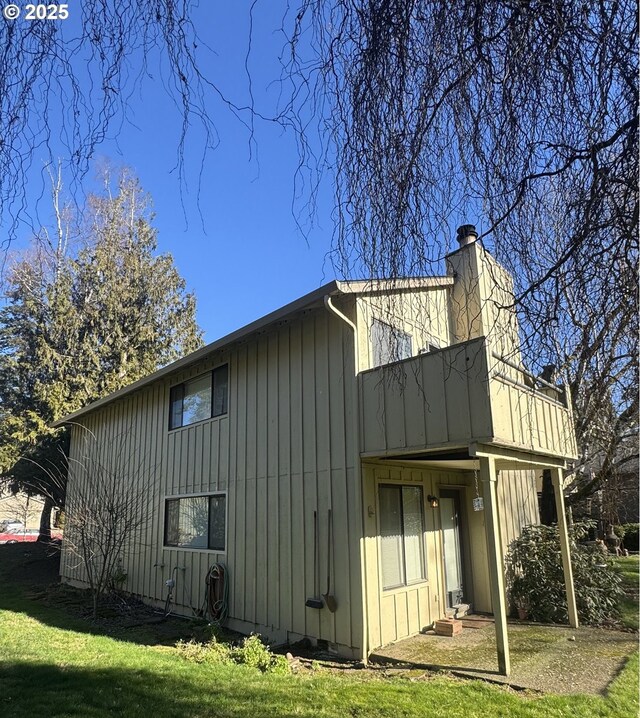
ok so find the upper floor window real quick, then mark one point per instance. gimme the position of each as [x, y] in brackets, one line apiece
[389, 343]
[201, 398]
[432, 345]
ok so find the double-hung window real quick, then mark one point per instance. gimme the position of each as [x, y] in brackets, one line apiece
[389, 344]
[201, 398]
[196, 522]
[401, 535]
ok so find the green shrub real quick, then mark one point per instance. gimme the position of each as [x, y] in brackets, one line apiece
[252, 652]
[631, 536]
[535, 579]
[192, 651]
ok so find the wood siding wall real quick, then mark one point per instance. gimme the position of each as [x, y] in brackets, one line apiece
[482, 301]
[397, 613]
[285, 449]
[529, 419]
[428, 401]
[423, 314]
[455, 396]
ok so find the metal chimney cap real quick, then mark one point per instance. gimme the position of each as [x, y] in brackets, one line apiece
[467, 234]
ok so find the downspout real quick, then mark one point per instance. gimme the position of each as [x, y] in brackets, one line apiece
[332, 308]
[358, 469]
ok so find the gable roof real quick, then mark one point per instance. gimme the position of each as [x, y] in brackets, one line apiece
[316, 297]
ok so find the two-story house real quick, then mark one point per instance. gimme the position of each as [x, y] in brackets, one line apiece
[380, 436]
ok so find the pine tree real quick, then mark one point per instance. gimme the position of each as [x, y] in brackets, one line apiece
[79, 324]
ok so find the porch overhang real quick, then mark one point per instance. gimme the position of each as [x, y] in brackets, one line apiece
[489, 459]
[506, 458]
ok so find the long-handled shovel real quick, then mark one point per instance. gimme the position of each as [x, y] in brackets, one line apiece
[329, 599]
[315, 602]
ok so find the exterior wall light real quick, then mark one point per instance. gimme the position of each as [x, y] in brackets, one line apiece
[433, 501]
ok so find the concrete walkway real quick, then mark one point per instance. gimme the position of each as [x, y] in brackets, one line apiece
[553, 659]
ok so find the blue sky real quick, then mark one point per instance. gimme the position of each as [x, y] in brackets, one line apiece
[238, 248]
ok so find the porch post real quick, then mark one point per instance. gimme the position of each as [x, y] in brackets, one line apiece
[496, 564]
[557, 480]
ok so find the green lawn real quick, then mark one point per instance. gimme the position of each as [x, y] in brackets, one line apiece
[629, 570]
[51, 666]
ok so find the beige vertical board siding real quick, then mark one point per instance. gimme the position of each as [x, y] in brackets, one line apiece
[465, 301]
[435, 410]
[285, 449]
[420, 313]
[517, 501]
[396, 613]
[453, 394]
[481, 300]
[530, 420]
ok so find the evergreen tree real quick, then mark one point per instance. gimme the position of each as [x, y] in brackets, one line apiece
[79, 324]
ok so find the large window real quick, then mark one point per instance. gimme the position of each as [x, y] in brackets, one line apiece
[401, 535]
[201, 398]
[196, 522]
[389, 343]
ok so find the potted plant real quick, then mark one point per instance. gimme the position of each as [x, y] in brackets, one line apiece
[522, 606]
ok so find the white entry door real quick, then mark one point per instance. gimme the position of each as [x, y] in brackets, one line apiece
[451, 539]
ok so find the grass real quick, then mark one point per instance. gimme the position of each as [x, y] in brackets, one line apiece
[50, 665]
[629, 569]
[58, 665]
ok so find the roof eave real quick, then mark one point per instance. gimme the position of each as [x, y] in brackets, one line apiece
[332, 288]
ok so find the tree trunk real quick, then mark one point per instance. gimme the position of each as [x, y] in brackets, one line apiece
[548, 513]
[45, 520]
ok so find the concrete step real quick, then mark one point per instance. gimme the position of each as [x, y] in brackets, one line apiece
[462, 609]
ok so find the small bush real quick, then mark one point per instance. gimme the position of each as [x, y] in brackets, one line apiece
[631, 536]
[535, 579]
[193, 651]
[252, 652]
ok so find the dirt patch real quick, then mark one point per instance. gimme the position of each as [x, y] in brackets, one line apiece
[30, 564]
[33, 570]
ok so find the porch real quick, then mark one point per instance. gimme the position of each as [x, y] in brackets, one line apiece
[466, 427]
[555, 659]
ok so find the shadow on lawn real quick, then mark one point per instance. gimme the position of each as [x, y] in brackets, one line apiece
[34, 689]
[31, 585]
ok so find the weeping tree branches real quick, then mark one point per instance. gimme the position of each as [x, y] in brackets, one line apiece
[64, 85]
[437, 111]
[519, 115]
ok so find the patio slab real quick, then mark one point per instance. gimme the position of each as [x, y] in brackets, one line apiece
[554, 659]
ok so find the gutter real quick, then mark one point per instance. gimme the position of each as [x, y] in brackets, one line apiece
[204, 352]
[358, 472]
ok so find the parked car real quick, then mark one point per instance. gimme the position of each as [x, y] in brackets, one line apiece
[11, 525]
[26, 535]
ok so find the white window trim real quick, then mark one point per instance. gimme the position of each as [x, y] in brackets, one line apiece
[209, 372]
[193, 495]
[402, 588]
